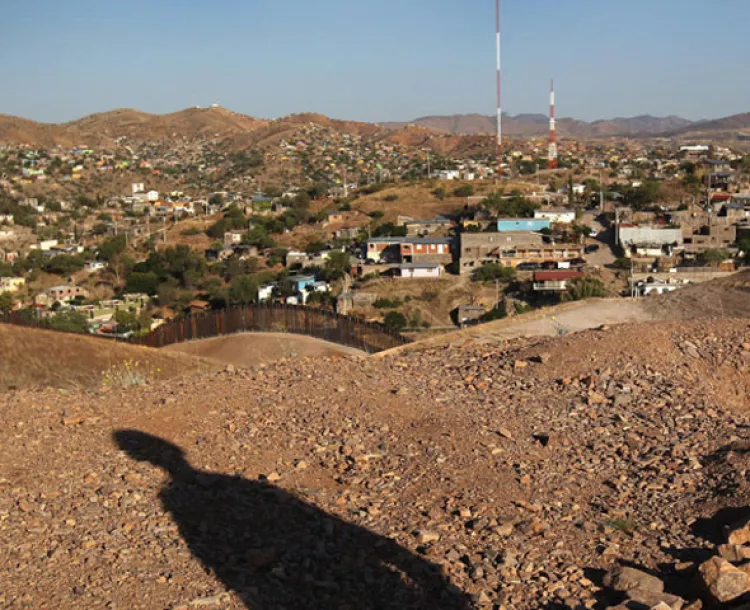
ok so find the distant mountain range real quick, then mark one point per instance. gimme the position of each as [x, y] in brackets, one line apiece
[439, 132]
[529, 125]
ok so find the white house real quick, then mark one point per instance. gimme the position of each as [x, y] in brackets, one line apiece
[46, 245]
[152, 196]
[419, 270]
[138, 187]
[11, 284]
[449, 174]
[94, 266]
[556, 215]
[265, 292]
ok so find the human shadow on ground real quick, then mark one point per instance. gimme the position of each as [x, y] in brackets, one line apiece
[279, 552]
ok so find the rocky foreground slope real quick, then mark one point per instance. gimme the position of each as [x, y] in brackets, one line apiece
[516, 475]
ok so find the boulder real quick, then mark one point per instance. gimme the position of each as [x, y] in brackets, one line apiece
[627, 579]
[722, 580]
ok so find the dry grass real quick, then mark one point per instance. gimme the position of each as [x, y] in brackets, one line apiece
[39, 358]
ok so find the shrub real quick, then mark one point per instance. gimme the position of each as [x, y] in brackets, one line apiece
[391, 197]
[466, 190]
[385, 303]
[440, 193]
[190, 231]
[492, 272]
[395, 320]
[584, 288]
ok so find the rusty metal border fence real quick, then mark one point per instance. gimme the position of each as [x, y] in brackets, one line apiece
[295, 319]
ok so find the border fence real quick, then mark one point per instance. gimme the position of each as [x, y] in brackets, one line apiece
[295, 319]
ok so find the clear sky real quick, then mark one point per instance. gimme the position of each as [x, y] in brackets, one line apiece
[375, 61]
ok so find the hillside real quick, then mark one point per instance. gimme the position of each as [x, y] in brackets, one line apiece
[41, 358]
[506, 475]
[445, 134]
[103, 128]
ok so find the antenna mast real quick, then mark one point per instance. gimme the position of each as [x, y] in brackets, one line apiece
[499, 96]
[552, 157]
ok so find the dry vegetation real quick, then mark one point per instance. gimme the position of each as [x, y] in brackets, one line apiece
[35, 358]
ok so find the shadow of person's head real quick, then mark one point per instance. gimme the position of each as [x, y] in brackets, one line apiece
[144, 447]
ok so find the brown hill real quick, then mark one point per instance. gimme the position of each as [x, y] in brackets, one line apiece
[103, 128]
[40, 358]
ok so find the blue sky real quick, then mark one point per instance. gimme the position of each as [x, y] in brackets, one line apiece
[375, 61]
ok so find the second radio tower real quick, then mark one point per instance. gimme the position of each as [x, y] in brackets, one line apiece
[552, 157]
[499, 98]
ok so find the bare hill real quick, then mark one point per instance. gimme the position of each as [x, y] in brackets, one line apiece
[463, 477]
[262, 348]
[41, 358]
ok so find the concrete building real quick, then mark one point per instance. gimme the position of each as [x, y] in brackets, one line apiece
[511, 249]
[427, 250]
[554, 281]
[419, 270]
[649, 241]
[522, 224]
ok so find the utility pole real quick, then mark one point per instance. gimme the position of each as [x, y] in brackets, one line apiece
[601, 190]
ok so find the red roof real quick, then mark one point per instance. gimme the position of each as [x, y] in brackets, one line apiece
[562, 274]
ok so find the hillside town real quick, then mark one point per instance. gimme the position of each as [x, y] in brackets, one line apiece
[359, 225]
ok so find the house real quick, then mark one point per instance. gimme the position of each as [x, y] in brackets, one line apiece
[655, 286]
[94, 266]
[233, 238]
[419, 270]
[449, 174]
[65, 294]
[511, 249]
[6, 234]
[522, 224]
[709, 237]
[301, 282]
[45, 245]
[421, 228]
[11, 284]
[265, 292]
[7, 219]
[384, 249]
[152, 196]
[554, 281]
[556, 215]
[214, 255]
[648, 241]
[426, 250]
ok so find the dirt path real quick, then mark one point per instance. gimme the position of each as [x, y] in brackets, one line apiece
[261, 348]
[560, 320]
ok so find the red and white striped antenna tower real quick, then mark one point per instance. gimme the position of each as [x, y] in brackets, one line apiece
[552, 157]
[499, 96]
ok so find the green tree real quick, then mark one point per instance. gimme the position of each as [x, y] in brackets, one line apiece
[713, 257]
[128, 321]
[337, 265]
[69, 321]
[7, 300]
[112, 248]
[584, 288]
[146, 283]
[395, 320]
[440, 193]
[243, 290]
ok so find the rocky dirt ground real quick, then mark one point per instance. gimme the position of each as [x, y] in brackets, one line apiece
[523, 474]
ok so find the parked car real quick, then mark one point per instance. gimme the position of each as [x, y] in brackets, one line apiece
[591, 248]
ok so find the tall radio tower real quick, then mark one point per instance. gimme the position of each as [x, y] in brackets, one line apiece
[499, 98]
[552, 157]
